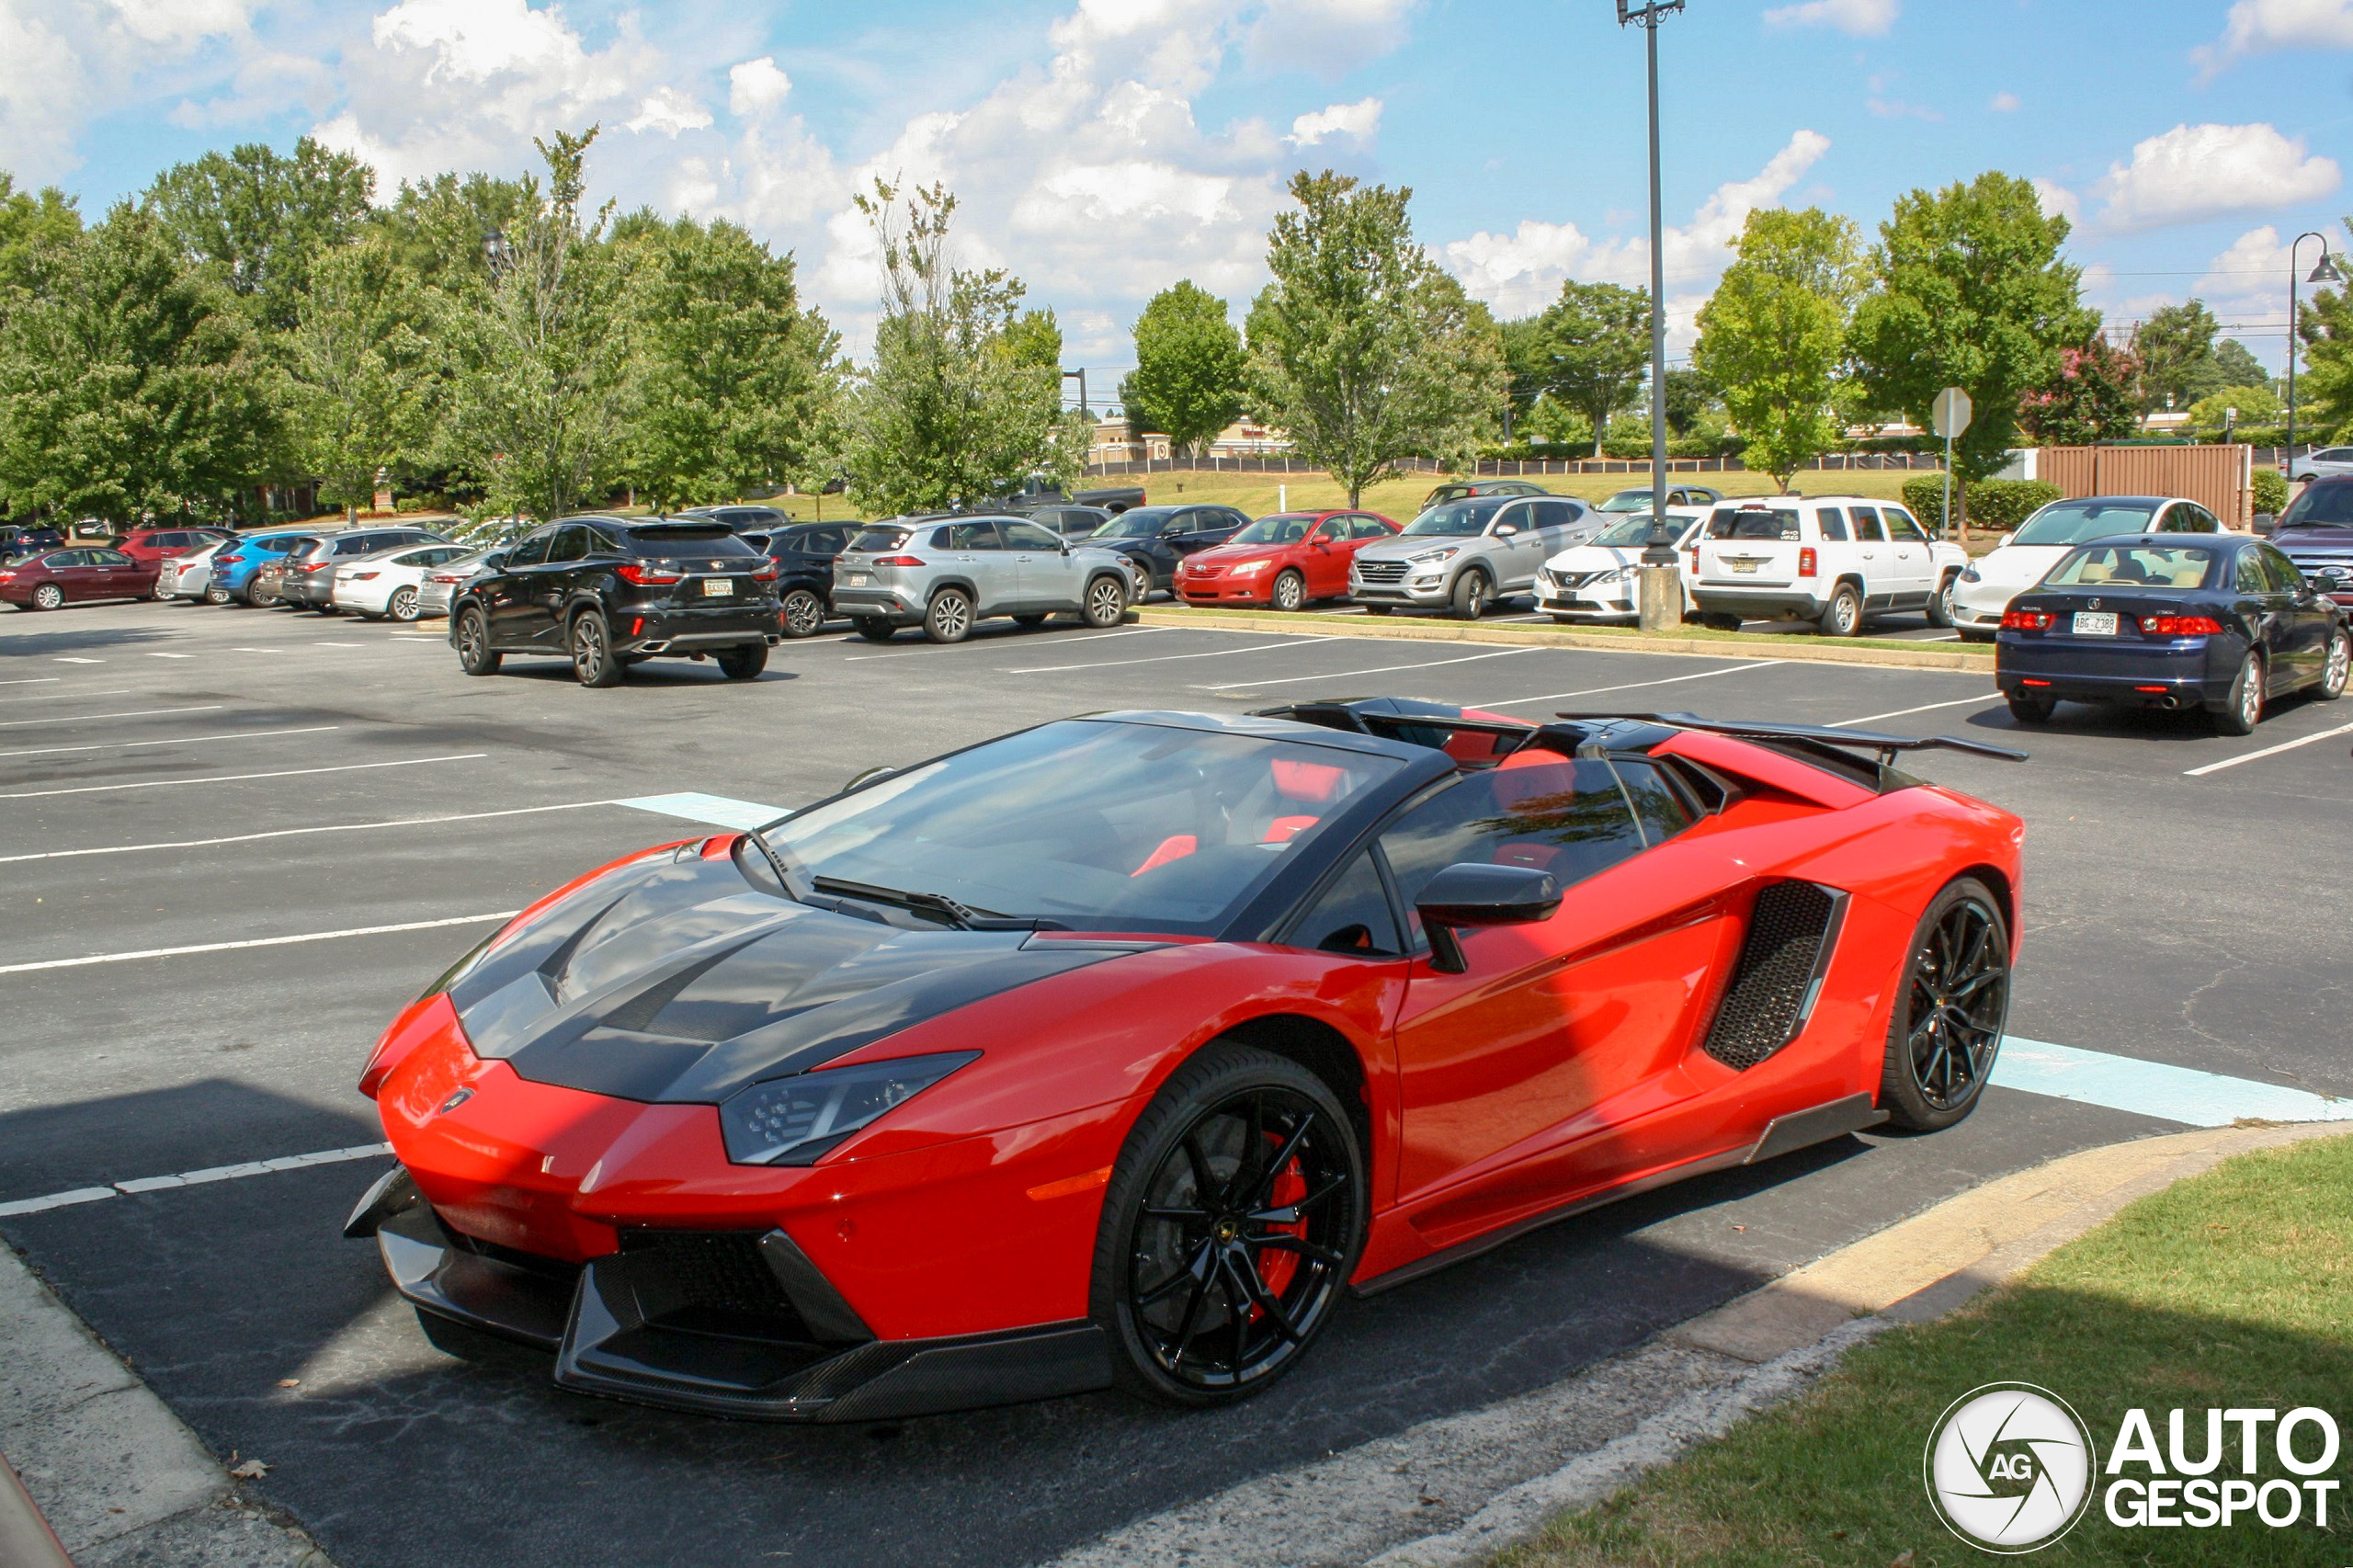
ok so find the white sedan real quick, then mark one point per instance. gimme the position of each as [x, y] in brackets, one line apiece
[1600, 580]
[391, 584]
[1989, 584]
[186, 576]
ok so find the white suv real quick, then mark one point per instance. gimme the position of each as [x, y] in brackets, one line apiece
[1834, 560]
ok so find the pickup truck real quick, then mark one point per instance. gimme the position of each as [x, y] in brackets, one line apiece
[1039, 491]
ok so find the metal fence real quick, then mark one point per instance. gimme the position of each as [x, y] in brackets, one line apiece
[1513, 468]
[2220, 479]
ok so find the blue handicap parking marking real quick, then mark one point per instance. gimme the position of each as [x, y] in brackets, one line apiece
[717, 810]
[2155, 1088]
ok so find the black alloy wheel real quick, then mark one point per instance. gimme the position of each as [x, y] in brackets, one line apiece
[1107, 603]
[2242, 710]
[804, 613]
[475, 655]
[1290, 590]
[1951, 1008]
[743, 662]
[1232, 1222]
[48, 595]
[593, 663]
[260, 597]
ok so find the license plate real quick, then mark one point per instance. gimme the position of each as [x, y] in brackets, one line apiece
[858, 578]
[2094, 623]
[717, 588]
[1747, 568]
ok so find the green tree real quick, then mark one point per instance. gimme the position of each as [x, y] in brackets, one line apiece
[261, 219]
[30, 224]
[2175, 348]
[2090, 399]
[2256, 405]
[2236, 365]
[1774, 337]
[736, 379]
[1691, 393]
[1035, 339]
[1523, 341]
[1972, 293]
[955, 408]
[2326, 386]
[1189, 368]
[360, 370]
[439, 227]
[1596, 350]
[1361, 349]
[540, 390]
[131, 383]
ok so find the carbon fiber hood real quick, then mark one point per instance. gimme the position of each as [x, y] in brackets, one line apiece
[674, 980]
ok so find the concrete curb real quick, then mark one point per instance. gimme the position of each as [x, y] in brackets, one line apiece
[1421, 629]
[122, 1480]
[1493, 1477]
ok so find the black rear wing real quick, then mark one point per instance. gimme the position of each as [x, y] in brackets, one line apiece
[1888, 747]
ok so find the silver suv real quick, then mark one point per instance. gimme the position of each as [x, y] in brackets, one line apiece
[944, 573]
[1464, 555]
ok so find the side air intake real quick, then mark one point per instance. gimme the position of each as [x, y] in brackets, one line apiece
[1790, 934]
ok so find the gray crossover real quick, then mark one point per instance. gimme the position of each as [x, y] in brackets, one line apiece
[944, 573]
[1464, 555]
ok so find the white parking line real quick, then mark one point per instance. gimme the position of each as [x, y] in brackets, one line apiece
[193, 1178]
[257, 650]
[241, 777]
[1098, 637]
[259, 942]
[1923, 708]
[33, 681]
[2268, 751]
[66, 659]
[93, 718]
[1291, 642]
[1377, 670]
[1630, 686]
[295, 831]
[183, 741]
[171, 655]
[68, 696]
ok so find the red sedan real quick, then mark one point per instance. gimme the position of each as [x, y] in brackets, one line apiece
[152, 547]
[58, 577]
[1283, 560]
[1121, 1049]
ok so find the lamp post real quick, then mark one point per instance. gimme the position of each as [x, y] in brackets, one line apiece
[1662, 584]
[2325, 273]
[497, 252]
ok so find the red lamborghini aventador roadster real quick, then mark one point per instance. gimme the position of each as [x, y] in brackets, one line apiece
[1118, 1050]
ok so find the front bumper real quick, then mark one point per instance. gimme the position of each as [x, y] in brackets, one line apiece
[1421, 595]
[1256, 589]
[721, 1323]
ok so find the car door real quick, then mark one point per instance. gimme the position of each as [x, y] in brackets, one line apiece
[1553, 1030]
[506, 594]
[1911, 565]
[979, 556]
[72, 572]
[118, 576]
[1515, 547]
[1050, 577]
[2307, 621]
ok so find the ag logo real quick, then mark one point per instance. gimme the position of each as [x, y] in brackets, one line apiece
[2010, 1468]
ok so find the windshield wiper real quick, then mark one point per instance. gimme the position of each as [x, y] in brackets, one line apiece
[936, 906]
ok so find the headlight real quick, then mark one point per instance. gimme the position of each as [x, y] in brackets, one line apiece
[793, 1121]
[1251, 568]
[1621, 575]
[1430, 557]
[1970, 575]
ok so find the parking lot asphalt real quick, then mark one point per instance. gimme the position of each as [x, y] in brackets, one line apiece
[328, 812]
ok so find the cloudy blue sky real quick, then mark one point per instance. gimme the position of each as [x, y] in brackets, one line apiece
[1105, 148]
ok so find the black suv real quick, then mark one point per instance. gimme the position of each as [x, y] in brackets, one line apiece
[1157, 538]
[803, 553]
[18, 540]
[612, 592]
[742, 518]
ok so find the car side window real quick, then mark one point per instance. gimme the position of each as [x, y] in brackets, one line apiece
[2285, 573]
[1567, 816]
[1030, 536]
[1353, 915]
[2251, 578]
[1180, 523]
[1370, 527]
[1832, 521]
[531, 552]
[1656, 806]
[57, 559]
[1516, 516]
[1555, 514]
[1901, 527]
[974, 536]
[1867, 526]
[570, 544]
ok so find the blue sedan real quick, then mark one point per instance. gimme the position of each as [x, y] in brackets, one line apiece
[2212, 621]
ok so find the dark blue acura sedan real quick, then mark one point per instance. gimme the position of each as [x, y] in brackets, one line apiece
[2214, 621]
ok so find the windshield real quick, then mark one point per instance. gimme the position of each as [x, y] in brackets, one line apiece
[687, 539]
[2077, 522]
[1635, 532]
[1627, 501]
[1282, 528]
[1136, 522]
[2321, 507]
[1456, 519]
[1096, 825]
[2133, 566]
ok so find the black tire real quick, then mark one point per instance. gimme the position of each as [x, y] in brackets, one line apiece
[743, 662]
[593, 663]
[949, 617]
[1941, 602]
[803, 613]
[2242, 710]
[2333, 673]
[216, 594]
[1971, 634]
[325, 608]
[1843, 616]
[1471, 593]
[402, 606]
[1379, 609]
[256, 599]
[475, 655]
[1166, 1343]
[1107, 603]
[1290, 591]
[2031, 710]
[1952, 1000]
[48, 595]
[873, 627]
[1725, 622]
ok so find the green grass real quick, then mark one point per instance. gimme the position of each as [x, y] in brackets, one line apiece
[1762, 644]
[2233, 1289]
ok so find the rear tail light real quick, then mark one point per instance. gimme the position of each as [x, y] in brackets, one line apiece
[2027, 621]
[315, 566]
[2032, 682]
[900, 560]
[1806, 562]
[363, 576]
[2157, 690]
[445, 577]
[2180, 625]
[647, 574]
[8, 576]
[765, 572]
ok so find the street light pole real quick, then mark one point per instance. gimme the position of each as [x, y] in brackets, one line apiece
[2325, 273]
[1662, 582]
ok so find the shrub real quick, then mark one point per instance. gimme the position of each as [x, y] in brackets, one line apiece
[2270, 491]
[410, 504]
[2001, 505]
[1923, 498]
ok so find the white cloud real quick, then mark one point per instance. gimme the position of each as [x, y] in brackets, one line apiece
[669, 111]
[2256, 27]
[181, 24]
[39, 72]
[262, 87]
[755, 88]
[2057, 202]
[1522, 271]
[62, 64]
[2193, 173]
[2006, 103]
[1357, 122]
[1863, 18]
[1327, 38]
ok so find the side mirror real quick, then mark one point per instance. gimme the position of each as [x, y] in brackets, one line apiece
[1506, 531]
[1471, 896]
[495, 561]
[2004, 539]
[2266, 523]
